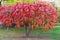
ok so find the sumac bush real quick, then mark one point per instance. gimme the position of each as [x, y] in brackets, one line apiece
[32, 15]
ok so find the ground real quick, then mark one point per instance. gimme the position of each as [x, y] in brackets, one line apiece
[18, 34]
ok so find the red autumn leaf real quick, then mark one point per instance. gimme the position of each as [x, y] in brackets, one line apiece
[23, 13]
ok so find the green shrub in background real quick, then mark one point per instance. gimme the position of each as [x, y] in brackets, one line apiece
[58, 11]
[28, 0]
[9, 1]
[14, 1]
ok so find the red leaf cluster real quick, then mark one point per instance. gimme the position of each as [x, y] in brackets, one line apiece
[34, 14]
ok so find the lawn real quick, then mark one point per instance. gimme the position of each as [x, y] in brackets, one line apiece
[53, 34]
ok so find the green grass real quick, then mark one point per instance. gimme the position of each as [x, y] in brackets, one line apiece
[13, 32]
[53, 34]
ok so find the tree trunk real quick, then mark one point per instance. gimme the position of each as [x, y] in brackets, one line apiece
[28, 30]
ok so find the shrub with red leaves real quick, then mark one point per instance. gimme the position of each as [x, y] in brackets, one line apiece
[32, 15]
